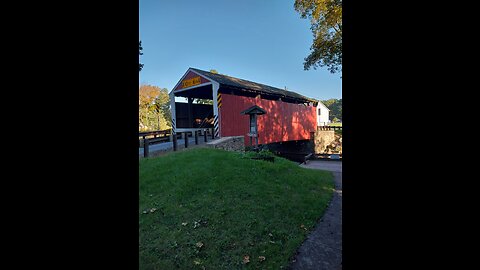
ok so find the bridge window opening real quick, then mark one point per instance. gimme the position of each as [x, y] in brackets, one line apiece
[197, 111]
[253, 124]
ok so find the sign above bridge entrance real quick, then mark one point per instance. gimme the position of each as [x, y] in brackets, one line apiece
[191, 82]
[191, 79]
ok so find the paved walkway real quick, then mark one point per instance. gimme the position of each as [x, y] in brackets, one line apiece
[165, 147]
[322, 250]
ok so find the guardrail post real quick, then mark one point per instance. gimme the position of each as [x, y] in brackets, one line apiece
[205, 135]
[196, 136]
[174, 142]
[186, 139]
[145, 147]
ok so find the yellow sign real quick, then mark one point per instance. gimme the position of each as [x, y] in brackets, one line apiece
[191, 82]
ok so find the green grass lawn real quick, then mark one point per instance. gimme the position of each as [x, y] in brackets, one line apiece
[207, 209]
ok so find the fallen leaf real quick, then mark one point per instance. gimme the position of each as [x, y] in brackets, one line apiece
[246, 259]
[272, 242]
[153, 210]
[270, 234]
[197, 262]
[184, 223]
[145, 212]
[199, 244]
[196, 224]
[261, 258]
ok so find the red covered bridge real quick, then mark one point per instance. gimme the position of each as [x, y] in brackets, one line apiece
[289, 116]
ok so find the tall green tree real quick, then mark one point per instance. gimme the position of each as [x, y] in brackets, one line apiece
[326, 20]
[162, 107]
[335, 107]
[140, 53]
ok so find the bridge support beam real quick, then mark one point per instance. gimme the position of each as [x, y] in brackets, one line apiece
[216, 114]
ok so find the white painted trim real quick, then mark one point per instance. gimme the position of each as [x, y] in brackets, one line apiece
[215, 88]
[181, 79]
[192, 87]
[184, 75]
[172, 108]
[205, 77]
[323, 105]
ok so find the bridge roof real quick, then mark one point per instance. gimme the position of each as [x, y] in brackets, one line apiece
[241, 85]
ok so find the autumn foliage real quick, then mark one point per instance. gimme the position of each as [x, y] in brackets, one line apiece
[154, 108]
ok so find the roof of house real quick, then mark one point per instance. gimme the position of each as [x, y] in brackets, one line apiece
[244, 85]
[323, 105]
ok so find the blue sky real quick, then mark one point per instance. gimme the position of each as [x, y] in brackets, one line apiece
[256, 40]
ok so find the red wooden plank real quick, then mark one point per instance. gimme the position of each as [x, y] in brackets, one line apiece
[282, 122]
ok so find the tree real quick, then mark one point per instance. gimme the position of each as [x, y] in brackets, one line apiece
[335, 107]
[154, 108]
[162, 106]
[203, 101]
[326, 19]
[140, 53]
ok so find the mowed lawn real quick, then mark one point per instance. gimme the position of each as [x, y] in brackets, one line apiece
[213, 209]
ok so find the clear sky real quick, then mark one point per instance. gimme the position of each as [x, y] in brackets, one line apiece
[264, 41]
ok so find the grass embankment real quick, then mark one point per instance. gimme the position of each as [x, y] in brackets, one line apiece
[208, 209]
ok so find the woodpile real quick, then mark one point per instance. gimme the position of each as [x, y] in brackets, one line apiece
[334, 147]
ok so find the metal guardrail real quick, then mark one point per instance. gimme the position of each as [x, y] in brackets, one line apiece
[147, 142]
[154, 136]
[155, 133]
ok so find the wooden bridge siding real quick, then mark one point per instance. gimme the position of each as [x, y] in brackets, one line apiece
[282, 122]
[232, 123]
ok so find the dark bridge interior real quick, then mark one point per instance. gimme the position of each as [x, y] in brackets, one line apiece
[199, 116]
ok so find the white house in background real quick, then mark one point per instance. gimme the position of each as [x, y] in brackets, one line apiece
[323, 114]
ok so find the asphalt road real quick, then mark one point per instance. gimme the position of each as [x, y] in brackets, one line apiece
[165, 146]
